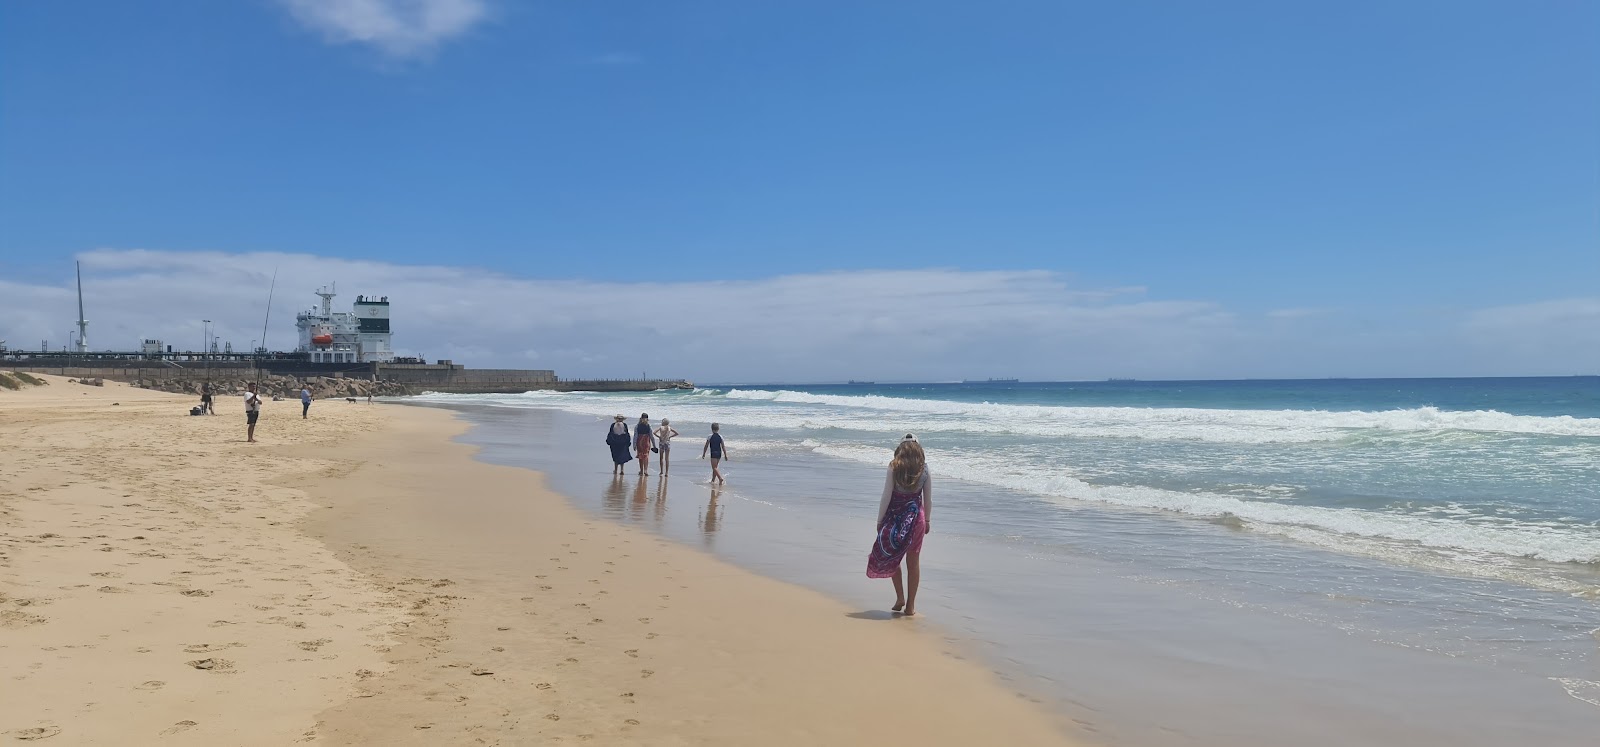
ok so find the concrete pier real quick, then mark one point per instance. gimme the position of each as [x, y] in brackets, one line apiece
[444, 376]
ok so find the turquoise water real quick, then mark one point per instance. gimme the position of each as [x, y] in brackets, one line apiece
[1451, 524]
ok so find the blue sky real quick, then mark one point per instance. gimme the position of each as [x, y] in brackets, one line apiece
[1378, 168]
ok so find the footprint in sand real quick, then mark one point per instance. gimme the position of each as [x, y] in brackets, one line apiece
[543, 686]
[206, 648]
[644, 674]
[212, 665]
[112, 590]
[197, 593]
[552, 717]
[645, 620]
[314, 645]
[150, 685]
[181, 726]
[632, 652]
[37, 732]
[632, 722]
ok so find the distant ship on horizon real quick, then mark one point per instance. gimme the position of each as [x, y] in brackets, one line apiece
[989, 381]
[1116, 378]
[862, 383]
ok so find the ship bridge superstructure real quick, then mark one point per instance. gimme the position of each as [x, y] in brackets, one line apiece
[360, 335]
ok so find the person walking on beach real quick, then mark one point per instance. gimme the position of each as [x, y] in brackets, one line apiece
[904, 517]
[644, 442]
[252, 411]
[618, 438]
[664, 436]
[718, 451]
[305, 401]
[205, 400]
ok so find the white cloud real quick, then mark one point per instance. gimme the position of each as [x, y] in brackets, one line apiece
[925, 324]
[400, 28]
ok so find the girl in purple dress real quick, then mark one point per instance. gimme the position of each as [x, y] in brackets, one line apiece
[904, 516]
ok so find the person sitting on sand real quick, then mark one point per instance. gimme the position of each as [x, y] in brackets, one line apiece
[618, 438]
[664, 436]
[904, 516]
[643, 443]
[252, 411]
[718, 450]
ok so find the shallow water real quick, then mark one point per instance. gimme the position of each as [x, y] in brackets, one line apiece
[1133, 598]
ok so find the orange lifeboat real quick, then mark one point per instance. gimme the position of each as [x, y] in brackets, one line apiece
[322, 340]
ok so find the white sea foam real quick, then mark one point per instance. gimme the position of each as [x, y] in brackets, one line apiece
[807, 411]
[1507, 537]
[831, 419]
[1584, 690]
[1161, 422]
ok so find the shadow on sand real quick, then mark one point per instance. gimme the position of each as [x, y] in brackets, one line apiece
[874, 615]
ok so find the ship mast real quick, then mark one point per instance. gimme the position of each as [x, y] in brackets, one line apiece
[327, 293]
[83, 324]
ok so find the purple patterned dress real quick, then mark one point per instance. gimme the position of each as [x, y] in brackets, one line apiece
[900, 531]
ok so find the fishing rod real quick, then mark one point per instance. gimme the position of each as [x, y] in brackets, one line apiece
[256, 353]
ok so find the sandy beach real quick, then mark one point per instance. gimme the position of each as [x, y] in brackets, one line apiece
[356, 578]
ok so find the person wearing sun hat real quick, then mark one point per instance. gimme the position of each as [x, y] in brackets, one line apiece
[618, 438]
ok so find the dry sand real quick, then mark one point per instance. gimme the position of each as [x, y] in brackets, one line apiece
[357, 579]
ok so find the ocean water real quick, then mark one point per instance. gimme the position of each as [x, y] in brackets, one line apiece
[1431, 546]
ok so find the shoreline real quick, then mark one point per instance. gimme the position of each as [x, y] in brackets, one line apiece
[1079, 611]
[494, 610]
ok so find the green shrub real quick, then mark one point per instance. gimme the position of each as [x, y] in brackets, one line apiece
[30, 380]
[7, 382]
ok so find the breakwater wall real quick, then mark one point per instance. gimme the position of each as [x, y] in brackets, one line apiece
[444, 376]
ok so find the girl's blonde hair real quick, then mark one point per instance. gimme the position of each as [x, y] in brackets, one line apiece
[908, 464]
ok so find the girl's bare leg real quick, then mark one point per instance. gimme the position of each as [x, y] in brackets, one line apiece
[913, 575]
[899, 592]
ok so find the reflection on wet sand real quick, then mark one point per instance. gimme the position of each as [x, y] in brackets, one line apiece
[709, 520]
[612, 499]
[661, 500]
[615, 503]
[641, 496]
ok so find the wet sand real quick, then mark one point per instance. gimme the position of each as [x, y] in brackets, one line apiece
[356, 578]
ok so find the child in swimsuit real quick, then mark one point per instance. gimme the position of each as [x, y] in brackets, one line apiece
[718, 451]
[664, 436]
